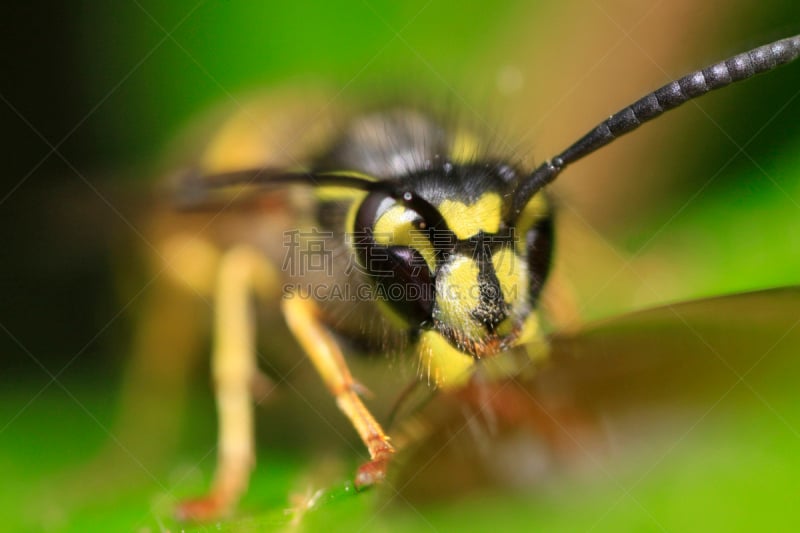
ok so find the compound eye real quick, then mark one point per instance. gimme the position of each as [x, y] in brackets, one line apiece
[394, 248]
[403, 280]
[385, 220]
[539, 249]
[371, 209]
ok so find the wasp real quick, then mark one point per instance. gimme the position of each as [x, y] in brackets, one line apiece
[428, 242]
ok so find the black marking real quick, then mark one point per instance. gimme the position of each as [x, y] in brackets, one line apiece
[407, 285]
[492, 307]
[539, 248]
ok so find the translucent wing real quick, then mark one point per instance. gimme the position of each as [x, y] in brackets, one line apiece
[614, 395]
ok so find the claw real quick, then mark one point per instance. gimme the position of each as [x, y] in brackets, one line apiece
[372, 472]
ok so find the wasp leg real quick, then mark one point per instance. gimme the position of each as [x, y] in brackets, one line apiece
[242, 271]
[302, 317]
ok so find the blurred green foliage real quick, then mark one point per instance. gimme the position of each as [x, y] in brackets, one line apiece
[198, 55]
[734, 471]
[152, 66]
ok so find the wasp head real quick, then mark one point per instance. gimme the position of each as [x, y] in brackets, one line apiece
[445, 254]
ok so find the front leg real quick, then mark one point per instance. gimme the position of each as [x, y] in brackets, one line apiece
[302, 317]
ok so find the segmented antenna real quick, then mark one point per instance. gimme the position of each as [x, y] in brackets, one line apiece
[670, 96]
[193, 190]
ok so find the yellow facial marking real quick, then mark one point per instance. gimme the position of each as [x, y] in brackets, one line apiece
[512, 274]
[396, 228]
[531, 334]
[533, 340]
[394, 225]
[535, 209]
[447, 366]
[467, 220]
[457, 295]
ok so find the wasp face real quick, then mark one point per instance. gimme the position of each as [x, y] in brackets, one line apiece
[444, 254]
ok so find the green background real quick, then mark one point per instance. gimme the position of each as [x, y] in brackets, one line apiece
[110, 85]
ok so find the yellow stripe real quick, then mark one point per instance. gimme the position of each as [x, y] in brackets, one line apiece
[396, 228]
[458, 281]
[467, 220]
[512, 274]
[441, 362]
[534, 210]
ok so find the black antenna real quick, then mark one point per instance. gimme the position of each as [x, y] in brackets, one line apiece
[670, 96]
[267, 176]
[195, 190]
